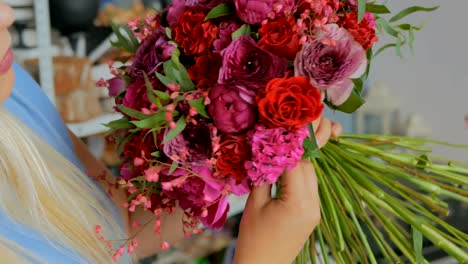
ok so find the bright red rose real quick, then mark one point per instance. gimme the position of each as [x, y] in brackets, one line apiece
[289, 102]
[206, 70]
[280, 38]
[193, 33]
[233, 152]
[363, 32]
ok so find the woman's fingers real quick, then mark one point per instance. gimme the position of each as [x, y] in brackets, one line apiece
[337, 129]
[323, 132]
[260, 196]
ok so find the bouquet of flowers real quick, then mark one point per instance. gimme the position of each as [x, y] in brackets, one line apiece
[222, 95]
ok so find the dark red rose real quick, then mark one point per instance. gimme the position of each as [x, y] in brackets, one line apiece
[206, 70]
[290, 103]
[139, 147]
[136, 97]
[280, 38]
[364, 32]
[193, 33]
[233, 152]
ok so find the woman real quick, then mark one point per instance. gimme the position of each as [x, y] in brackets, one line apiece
[49, 207]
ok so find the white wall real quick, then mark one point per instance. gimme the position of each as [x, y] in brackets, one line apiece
[434, 81]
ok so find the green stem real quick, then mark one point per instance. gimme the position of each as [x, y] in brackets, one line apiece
[323, 249]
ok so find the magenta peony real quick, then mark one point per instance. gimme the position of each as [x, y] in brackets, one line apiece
[255, 11]
[331, 61]
[231, 113]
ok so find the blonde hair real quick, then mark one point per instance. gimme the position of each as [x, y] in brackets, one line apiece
[42, 190]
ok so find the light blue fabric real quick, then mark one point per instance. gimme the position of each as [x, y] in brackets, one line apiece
[33, 108]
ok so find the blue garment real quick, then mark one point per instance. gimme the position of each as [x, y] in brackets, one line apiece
[29, 104]
[33, 108]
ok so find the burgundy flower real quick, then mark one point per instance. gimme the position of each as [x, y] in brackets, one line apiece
[136, 96]
[175, 10]
[255, 11]
[247, 67]
[192, 146]
[226, 28]
[331, 67]
[151, 54]
[116, 85]
[208, 4]
[230, 112]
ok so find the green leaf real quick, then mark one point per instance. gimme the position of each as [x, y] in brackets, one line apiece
[199, 105]
[131, 112]
[174, 166]
[387, 27]
[358, 84]
[377, 9]
[169, 32]
[242, 31]
[352, 104]
[166, 81]
[153, 121]
[131, 37]
[149, 90]
[381, 49]
[186, 83]
[169, 67]
[129, 42]
[219, 11]
[411, 10]
[180, 126]
[369, 55]
[119, 124]
[361, 10]
[162, 95]
[417, 245]
[411, 39]
[311, 149]
[157, 154]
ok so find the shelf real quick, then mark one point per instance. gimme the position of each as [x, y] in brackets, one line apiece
[94, 126]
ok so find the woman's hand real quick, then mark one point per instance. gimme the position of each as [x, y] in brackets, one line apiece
[275, 230]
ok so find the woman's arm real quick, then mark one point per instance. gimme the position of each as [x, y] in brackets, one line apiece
[149, 243]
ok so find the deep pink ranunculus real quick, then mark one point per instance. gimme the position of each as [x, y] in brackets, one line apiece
[331, 61]
[255, 11]
[175, 10]
[247, 67]
[230, 112]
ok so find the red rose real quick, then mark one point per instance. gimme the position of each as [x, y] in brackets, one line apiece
[363, 32]
[280, 38]
[289, 102]
[206, 70]
[193, 33]
[233, 152]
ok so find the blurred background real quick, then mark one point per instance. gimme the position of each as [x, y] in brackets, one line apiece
[65, 45]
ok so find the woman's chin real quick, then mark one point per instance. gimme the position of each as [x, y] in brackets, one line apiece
[7, 81]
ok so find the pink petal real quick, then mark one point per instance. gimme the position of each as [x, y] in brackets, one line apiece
[340, 91]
